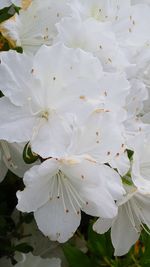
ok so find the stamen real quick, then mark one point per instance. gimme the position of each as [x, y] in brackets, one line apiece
[58, 186]
[69, 196]
[73, 195]
[76, 193]
[62, 193]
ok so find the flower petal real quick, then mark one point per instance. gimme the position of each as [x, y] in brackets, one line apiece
[56, 222]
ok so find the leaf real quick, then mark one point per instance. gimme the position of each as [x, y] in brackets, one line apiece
[7, 13]
[99, 245]
[75, 257]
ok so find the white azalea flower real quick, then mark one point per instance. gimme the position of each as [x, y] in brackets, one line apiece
[44, 93]
[95, 37]
[59, 188]
[131, 32]
[35, 25]
[133, 213]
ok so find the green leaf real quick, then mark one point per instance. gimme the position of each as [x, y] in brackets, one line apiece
[75, 257]
[99, 245]
[7, 13]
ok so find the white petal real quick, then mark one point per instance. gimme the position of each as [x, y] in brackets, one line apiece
[53, 138]
[16, 83]
[56, 222]
[38, 184]
[101, 226]
[65, 65]
[90, 184]
[15, 123]
[122, 233]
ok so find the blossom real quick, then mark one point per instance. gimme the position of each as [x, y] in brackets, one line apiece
[58, 189]
[42, 97]
[35, 25]
[97, 38]
[133, 213]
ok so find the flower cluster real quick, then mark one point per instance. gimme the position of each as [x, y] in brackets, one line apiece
[78, 99]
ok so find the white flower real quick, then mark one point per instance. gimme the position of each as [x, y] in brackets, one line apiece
[35, 25]
[44, 93]
[59, 188]
[133, 213]
[131, 32]
[95, 37]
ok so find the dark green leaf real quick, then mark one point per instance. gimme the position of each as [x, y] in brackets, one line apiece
[75, 257]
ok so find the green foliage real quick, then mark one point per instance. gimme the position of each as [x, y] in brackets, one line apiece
[75, 257]
[7, 12]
